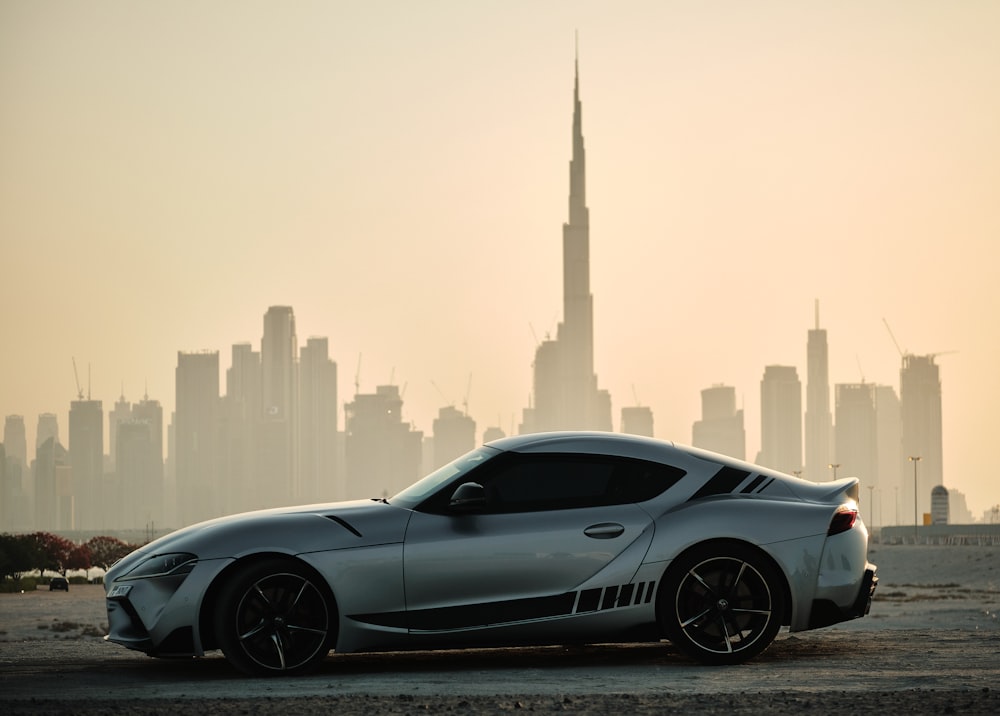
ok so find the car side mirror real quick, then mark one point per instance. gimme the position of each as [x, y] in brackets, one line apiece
[468, 497]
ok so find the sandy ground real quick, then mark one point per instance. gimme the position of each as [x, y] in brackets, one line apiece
[931, 643]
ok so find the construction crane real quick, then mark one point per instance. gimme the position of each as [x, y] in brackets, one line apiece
[451, 403]
[76, 375]
[902, 354]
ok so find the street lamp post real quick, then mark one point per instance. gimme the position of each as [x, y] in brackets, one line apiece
[915, 459]
[871, 502]
[834, 466]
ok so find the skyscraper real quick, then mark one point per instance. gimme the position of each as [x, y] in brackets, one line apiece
[6, 491]
[819, 425]
[721, 427]
[637, 420]
[149, 413]
[15, 499]
[15, 440]
[48, 427]
[318, 424]
[383, 452]
[16, 513]
[54, 493]
[856, 438]
[920, 411]
[565, 385]
[121, 413]
[136, 505]
[241, 418]
[196, 437]
[887, 434]
[86, 457]
[454, 435]
[277, 440]
[781, 419]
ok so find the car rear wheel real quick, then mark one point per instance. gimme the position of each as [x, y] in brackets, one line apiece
[273, 617]
[722, 603]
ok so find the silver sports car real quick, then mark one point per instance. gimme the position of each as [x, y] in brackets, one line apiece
[539, 539]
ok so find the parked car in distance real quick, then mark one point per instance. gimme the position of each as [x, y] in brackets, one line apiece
[58, 583]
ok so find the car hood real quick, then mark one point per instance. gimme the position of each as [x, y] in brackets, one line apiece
[287, 530]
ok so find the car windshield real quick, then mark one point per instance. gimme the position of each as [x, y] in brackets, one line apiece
[421, 490]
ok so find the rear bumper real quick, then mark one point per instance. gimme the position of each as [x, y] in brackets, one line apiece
[863, 604]
[825, 612]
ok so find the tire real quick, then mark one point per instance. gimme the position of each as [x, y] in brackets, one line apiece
[275, 618]
[721, 603]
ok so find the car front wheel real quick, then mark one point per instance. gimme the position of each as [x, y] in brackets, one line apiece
[721, 604]
[273, 617]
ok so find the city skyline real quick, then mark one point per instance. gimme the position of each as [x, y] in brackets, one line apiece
[248, 462]
[402, 185]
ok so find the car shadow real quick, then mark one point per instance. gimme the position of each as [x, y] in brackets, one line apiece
[790, 649]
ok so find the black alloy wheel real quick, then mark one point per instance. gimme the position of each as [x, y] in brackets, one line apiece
[274, 618]
[722, 604]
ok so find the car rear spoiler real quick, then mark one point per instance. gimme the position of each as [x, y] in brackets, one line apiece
[828, 492]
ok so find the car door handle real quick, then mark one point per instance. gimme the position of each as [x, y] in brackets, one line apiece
[604, 530]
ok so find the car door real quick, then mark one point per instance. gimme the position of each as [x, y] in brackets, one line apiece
[550, 523]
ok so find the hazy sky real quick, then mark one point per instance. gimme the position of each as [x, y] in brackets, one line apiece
[398, 173]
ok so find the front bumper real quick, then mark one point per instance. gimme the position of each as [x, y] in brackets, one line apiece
[160, 615]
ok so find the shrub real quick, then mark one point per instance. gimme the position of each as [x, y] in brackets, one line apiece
[26, 584]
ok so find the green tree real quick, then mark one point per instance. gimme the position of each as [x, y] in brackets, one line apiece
[15, 556]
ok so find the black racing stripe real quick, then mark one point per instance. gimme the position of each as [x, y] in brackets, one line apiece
[514, 610]
[639, 592]
[589, 599]
[625, 597]
[723, 482]
[752, 486]
[475, 615]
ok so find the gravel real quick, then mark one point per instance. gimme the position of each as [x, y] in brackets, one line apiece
[931, 644]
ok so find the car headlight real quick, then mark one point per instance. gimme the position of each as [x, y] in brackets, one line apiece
[162, 565]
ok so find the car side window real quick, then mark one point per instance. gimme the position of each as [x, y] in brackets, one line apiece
[549, 484]
[539, 482]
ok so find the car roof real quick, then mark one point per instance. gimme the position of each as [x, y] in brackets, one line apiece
[586, 442]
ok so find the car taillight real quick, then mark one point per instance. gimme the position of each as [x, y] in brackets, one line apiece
[842, 521]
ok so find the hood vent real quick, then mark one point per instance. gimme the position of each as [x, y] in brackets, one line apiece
[343, 523]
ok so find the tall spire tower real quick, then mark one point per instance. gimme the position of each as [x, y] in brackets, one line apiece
[577, 329]
[819, 420]
[566, 392]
